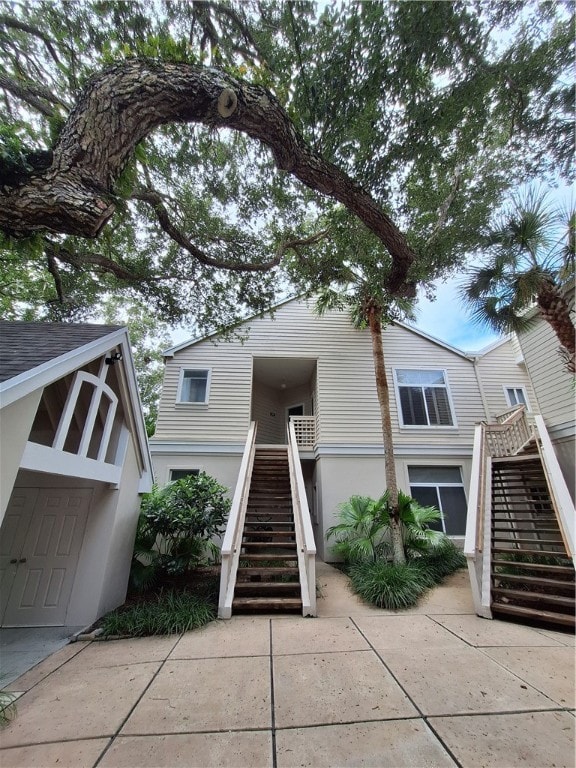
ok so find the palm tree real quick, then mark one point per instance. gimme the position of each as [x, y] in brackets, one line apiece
[531, 261]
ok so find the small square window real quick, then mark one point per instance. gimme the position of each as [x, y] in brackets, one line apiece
[516, 396]
[194, 385]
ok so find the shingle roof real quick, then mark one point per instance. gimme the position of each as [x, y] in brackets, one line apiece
[24, 346]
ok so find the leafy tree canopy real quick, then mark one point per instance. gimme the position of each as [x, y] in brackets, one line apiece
[433, 108]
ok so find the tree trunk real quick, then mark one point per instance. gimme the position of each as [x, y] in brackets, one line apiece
[126, 102]
[383, 392]
[555, 310]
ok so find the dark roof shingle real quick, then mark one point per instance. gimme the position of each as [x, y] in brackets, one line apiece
[24, 346]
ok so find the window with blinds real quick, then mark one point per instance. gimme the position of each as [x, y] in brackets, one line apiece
[424, 398]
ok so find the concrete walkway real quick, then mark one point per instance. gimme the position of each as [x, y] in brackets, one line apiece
[433, 686]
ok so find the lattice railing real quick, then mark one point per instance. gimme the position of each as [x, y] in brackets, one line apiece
[305, 430]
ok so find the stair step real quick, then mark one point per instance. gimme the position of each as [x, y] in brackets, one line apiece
[262, 588]
[533, 597]
[271, 556]
[559, 570]
[519, 540]
[267, 604]
[513, 528]
[275, 534]
[269, 544]
[536, 518]
[536, 581]
[540, 552]
[520, 611]
[267, 571]
[274, 524]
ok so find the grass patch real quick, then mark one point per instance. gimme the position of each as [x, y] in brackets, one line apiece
[7, 707]
[441, 561]
[168, 612]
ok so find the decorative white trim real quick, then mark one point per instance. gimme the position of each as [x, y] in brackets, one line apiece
[42, 458]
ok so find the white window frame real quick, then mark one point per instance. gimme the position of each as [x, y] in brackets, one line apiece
[181, 382]
[515, 387]
[397, 386]
[440, 485]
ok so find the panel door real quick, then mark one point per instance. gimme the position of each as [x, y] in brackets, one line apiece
[46, 570]
[12, 537]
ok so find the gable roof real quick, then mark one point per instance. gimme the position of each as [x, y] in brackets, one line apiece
[24, 346]
[407, 326]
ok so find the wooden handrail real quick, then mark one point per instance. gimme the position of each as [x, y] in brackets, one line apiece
[305, 544]
[232, 542]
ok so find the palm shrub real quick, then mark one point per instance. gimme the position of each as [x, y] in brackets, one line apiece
[175, 528]
[362, 540]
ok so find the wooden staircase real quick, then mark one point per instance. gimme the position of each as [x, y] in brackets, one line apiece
[531, 573]
[268, 578]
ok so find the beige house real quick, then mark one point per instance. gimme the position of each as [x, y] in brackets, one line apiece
[74, 461]
[318, 372]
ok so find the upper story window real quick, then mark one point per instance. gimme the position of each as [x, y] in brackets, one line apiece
[194, 385]
[516, 396]
[424, 398]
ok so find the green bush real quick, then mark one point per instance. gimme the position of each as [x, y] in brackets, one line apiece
[444, 559]
[175, 528]
[7, 707]
[170, 612]
[388, 585]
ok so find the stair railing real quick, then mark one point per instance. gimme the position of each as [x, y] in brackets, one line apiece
[232, 543]
[305, 544]
[559, 493]
[510, 434]
[477, 541]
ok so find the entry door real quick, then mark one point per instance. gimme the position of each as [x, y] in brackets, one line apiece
[46, 565]
[12, 537]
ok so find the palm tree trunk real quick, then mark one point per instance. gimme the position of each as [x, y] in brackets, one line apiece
[555, 310]
[383, 392]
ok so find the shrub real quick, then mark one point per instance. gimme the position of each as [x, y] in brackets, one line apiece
[444, 559]
[388, 585]
[7, 707]
[170, 612]
[175, 528]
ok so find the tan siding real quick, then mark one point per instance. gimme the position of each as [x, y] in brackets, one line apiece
[499, 368]
[346, 402]
[553, 385]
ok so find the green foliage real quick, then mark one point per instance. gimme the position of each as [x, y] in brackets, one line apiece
[388, 585]
[363, 531]
[175, 528]
[7, 707]
[396, 586]
[435, 108]
[439, 562]
[169, 612]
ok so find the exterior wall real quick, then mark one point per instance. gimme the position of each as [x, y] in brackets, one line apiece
[223, 467]
[554, 393]
[346, 403]
[501, 367]
[15, 424]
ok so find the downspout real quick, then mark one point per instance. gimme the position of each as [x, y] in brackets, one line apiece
[475, 361]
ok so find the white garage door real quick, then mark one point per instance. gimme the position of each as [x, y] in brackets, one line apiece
[40, 542]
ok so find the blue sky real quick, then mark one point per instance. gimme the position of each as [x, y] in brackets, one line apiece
[446, 318]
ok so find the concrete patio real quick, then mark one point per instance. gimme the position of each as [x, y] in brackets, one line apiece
[357, 686]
